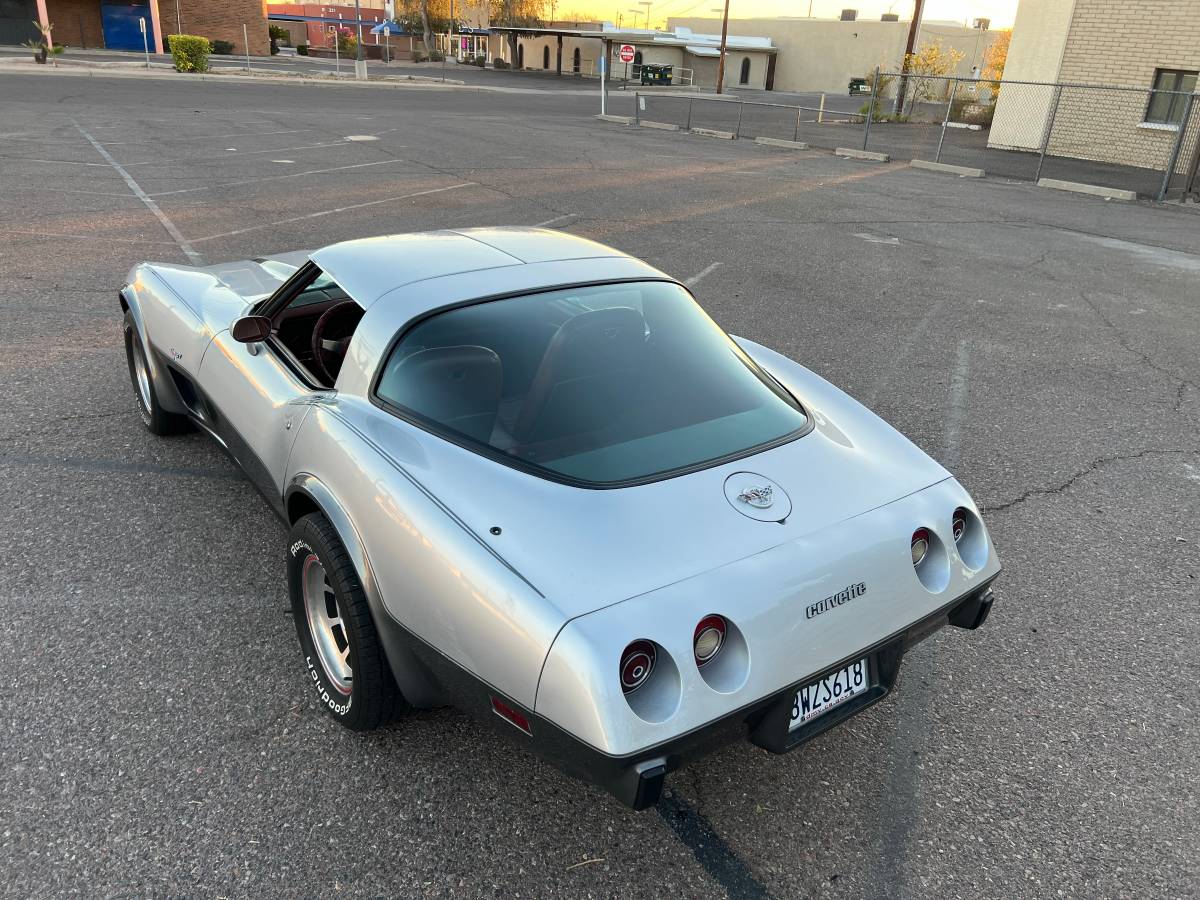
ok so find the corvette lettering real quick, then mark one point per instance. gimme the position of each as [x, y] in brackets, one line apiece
[845, 595]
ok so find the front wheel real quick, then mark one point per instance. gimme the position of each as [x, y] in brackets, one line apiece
[156, 419]
[344, 659]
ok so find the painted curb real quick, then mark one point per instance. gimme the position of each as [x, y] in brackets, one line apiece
[963, 171]
[662, 126]
[1094, 190]
[851, 153]
[712, 132]
[779, 142]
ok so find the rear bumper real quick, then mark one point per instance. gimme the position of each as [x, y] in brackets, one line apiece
[637, 779]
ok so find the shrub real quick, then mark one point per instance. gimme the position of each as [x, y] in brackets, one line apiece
[499, 63]
[222, 48]
[418, 56]
[190, 52]
[302, 49]
[480, 61]
[436, 55]
[347, 44]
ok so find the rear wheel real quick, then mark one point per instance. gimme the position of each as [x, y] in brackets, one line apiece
[343, 656]
[156, 419]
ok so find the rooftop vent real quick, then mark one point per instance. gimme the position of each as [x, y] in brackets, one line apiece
[849, 15]
[890, 17]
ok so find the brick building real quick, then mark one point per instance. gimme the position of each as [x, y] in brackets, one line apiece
[1152, 45]
[319, 31]
[115, 25]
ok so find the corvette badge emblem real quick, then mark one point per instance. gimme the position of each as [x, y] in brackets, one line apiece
[758, 497]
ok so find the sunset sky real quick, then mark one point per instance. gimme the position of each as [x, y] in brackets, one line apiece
[1001, 12]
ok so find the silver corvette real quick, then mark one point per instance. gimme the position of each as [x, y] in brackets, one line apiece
[526, 474]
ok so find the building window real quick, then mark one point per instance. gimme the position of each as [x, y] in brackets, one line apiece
[745, 77]
[1168, 98]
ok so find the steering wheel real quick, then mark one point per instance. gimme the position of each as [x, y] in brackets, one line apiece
[331, 337]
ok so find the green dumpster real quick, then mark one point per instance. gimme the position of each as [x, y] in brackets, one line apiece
[656, 74]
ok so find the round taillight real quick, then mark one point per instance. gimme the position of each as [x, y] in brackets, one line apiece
[920, 545]
[959, 524]
[709, 639]
[637, 662]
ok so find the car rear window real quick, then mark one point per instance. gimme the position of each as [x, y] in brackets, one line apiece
[603, 385]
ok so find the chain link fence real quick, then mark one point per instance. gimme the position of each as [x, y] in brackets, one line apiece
[813, 125]
[1132, 139]
[1118, 137]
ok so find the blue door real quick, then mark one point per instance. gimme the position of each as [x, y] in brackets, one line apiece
[121, 31]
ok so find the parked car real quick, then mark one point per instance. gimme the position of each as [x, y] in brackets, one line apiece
[526, 474]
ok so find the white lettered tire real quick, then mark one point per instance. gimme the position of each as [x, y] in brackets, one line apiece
[344, 662]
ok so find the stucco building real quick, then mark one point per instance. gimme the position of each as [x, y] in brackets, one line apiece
[824, 54]
[1150, 45]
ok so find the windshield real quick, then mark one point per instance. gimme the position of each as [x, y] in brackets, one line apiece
[602, 384]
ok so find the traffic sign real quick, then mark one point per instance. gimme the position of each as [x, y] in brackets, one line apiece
[627, 53]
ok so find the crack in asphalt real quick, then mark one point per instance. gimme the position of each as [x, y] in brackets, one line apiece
[1123, 342]
[1094, 466]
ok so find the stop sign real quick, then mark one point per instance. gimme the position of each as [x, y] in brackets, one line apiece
[627, 53]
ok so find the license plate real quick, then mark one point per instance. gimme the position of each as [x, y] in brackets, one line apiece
[833, 690]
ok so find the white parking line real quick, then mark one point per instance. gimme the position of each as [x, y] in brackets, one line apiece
[330, 212]
[550, 222]
[174, 232]
[958, 405]
[213, 187]
[703, 273]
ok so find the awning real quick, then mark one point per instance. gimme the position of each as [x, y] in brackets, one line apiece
[703, 51]
[396, 28]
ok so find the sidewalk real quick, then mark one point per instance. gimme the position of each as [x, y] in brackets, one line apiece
[166, 70]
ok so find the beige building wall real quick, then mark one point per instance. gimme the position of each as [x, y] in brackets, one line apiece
[1108, 42]
[1122, 43]
[1035, 54]
[824, 54]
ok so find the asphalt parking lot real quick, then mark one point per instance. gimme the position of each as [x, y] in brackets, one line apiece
[157, 737]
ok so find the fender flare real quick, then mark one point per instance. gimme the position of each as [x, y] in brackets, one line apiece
[412, 677]
[164, 385]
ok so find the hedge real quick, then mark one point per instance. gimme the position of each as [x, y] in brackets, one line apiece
[190, 52]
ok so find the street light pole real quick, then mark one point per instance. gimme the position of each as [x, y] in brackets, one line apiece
[360, 63]
[724, 41]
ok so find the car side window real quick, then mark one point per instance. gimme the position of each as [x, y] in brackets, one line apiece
[315, 327]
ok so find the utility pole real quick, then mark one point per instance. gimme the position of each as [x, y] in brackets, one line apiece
[724, 41]
[913, 27]
[360, 62]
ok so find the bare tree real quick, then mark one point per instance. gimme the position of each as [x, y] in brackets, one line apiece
[427, 32]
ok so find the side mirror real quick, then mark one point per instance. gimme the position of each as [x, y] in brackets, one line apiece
[251, 329]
